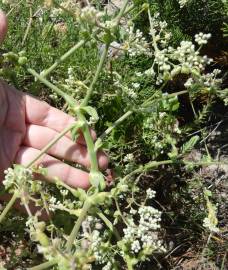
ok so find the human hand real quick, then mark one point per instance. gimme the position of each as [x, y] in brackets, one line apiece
[27, 125]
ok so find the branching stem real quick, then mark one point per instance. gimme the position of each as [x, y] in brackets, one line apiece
[77, 225]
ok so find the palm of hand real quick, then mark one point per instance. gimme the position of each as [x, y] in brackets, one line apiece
[27, 125]
[12, 125]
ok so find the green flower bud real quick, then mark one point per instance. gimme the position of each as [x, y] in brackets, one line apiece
[42, 238]
[195, 72]
[100, 198]
[22, 60]
[185, 70]
[97, 180]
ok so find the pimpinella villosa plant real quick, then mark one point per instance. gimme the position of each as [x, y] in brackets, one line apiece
[114, 228]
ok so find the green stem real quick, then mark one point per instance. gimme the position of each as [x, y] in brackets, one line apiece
[154, 164]
[89, 143]
[128, 113]
[148, 166]
[63, 58]
[8, 206]
[129, 263]
[77, 225]
[152, 32]
[109, 224]
[29, 25]
[43, 265]
[50, 144]
[67, 98]
[116, 123]
[122, 11]
[147, 102]
[99, 68]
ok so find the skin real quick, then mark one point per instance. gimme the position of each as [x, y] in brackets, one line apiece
[28, 124]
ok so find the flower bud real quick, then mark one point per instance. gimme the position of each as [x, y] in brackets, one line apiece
[22, 60]
[97, 180]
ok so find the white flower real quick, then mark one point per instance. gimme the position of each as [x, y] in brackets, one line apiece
[136, 85]
[64, 192]
[210, 225]
[17, 176]
[150, 193]
[201, 38]
[188, 83]
[128, 158]
[135, 246]
[90, 15]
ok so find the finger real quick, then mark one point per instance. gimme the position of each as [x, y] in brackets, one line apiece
[38, 137]
[69, 175]
[3, 26]
[42, 114]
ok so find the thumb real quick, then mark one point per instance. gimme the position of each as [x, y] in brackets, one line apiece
[3, 26]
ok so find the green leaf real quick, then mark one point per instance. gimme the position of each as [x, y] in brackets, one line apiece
[98, 144]
[188, 146]
[92, 112]
[75, 129]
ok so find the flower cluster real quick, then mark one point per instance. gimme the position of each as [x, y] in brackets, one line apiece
[160, 130]
[144, 235]
[128, 158]
[150, 193]
[95, 239]
[135, 43]
[17, 177]
[167, 60]
[90, 15]
[209, 81]
[202, 38]
[209, 224]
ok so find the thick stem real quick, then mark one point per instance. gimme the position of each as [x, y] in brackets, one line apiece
[89, 143]
[129, 263]
[8, 206]
[77, 225]
[99, 68]
[43, 265]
